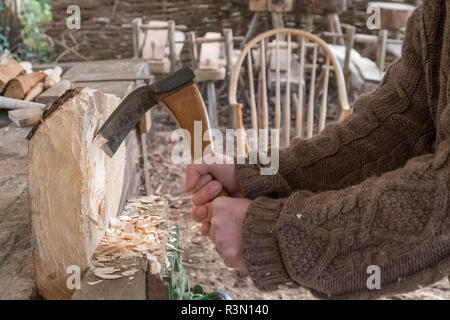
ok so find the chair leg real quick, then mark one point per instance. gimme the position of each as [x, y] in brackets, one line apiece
[212, 104]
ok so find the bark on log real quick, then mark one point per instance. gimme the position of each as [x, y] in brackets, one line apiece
[8, 71]
[18, 88]
[74, 187]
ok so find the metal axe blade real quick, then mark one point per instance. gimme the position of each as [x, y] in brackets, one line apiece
[136, 104]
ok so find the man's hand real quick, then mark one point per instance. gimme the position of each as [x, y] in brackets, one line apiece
[227, 217]
[205, 182]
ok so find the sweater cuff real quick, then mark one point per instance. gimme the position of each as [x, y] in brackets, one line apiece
[260, 244]
[254, 184]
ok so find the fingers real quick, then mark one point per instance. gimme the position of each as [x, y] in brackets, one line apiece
[199, 214]
[207, 193]
[195, 173]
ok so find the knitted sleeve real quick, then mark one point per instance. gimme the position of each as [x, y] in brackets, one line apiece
[327, 242]
[388, 127]
[333, 236]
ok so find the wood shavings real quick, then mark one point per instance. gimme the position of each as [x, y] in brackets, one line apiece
[107, 276]
[137, 232]
[129, 272]
[94, 282]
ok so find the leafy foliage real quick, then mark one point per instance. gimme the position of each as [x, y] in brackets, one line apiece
[34, 14]
[36, 45]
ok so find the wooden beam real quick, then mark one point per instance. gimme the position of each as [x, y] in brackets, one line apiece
[25, 117]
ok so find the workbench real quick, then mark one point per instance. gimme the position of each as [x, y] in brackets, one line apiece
[16, 265]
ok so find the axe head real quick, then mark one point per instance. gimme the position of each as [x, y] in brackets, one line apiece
[178, 93]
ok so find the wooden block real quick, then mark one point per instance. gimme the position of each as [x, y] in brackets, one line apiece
[210, 53]
[8, 71]
[54, 92]
[74, 187]
[393, 16]
[155, 41]
[128, 255]
[25, 117]
[159, 66]
[210, 75]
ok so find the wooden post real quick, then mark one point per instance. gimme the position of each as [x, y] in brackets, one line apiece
[228, 35]
[212, 104]
[349, 42]
[172, 46]
[137, 36]
[381, 51]
[193, 52]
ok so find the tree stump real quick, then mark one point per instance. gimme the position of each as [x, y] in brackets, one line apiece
[74, 187]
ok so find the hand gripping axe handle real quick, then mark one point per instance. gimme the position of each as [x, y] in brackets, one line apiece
[178, 94]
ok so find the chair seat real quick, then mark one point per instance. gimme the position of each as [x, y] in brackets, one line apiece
[210, 75]
[159, 66]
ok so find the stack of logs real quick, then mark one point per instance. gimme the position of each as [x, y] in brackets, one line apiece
[20, 86]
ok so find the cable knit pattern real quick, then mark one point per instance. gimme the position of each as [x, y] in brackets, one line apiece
[373, 190]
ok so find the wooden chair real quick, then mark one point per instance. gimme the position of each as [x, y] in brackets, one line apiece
[160, 42]
[289, 65]
[212, 58]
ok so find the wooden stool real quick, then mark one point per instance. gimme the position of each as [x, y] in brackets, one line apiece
[214, 63]
[328, 8]
[276, 8]
[160, 42]
[393, 17]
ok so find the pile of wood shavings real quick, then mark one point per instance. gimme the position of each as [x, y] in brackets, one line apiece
[136, 233]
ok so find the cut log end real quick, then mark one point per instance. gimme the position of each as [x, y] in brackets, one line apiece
[74, 188]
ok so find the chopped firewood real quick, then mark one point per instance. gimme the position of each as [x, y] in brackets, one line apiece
[54, 76]
[35, 91]
[18, 87]
[8, 71]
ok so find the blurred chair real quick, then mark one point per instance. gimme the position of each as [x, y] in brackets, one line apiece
[213, 58]
[160, 42]
[281, 69]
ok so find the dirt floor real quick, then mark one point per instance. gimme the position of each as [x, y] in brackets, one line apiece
[201, 262]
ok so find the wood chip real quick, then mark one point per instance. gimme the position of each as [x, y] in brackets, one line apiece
[129, 272]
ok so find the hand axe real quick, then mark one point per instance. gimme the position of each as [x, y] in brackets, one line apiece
[178, 94]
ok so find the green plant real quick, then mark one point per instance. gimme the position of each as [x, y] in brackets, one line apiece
[4, 43]
[34, 14]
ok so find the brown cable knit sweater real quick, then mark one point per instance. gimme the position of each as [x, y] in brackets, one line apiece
[372, 190]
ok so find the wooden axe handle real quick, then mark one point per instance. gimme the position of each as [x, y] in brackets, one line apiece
[186, 106]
